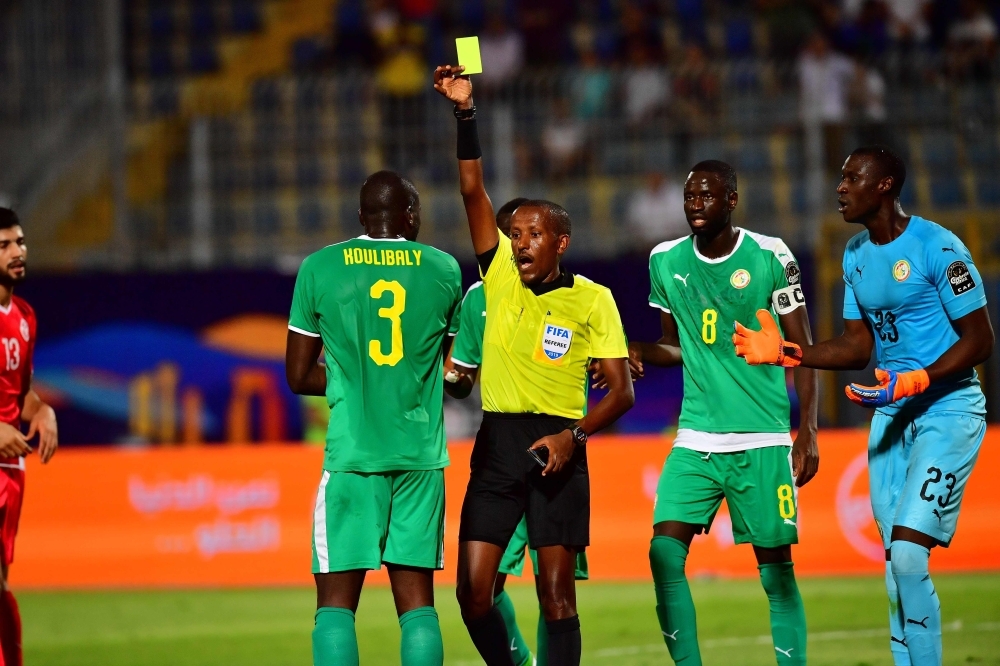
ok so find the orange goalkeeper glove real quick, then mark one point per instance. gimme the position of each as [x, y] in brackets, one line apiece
[765, 346]
[892, 386]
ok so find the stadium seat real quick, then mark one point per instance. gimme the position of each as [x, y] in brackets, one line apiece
[266, 217]
[753, 154]
[988, 190]
[202, 19]
[757, 194]
[244, 16]
[307, 171]
[982, 151]
[940, 151]
[711, 148]
[658, 156]
[739, 37]
[947, 191]
[202, 56]
[309, 215]
[160, 20]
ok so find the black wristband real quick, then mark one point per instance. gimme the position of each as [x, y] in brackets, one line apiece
[468, 140]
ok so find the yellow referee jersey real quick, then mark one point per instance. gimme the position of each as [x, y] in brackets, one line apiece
[537, 347]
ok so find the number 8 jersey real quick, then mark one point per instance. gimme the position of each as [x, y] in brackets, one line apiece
[382, 308]
[17, 335]
[722, 394]
[910, 290]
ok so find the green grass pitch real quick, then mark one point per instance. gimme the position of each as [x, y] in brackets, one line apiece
[847, 624]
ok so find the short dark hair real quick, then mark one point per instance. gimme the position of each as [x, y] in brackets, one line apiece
[386, 194]
[508, 208]
[8, 219]
[888, 163]
[564, 226]
[727, 172]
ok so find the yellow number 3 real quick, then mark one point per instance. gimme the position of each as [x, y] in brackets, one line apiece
[786, 502]
[392, 314]
[708, 320]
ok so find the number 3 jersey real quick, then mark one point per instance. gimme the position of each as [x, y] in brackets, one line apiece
[382, 308]
[17, 334]
[910, 291]
[722, 394]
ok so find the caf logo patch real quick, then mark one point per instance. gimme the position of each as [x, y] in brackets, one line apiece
[901, 270]
[25, 332]
[784, 302]
[792, 273]
[556, 341]
[959, 278]
[740, 279]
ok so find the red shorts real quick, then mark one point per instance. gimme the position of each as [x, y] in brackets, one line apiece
[11, 496]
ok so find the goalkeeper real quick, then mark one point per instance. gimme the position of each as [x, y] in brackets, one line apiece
[733, 437]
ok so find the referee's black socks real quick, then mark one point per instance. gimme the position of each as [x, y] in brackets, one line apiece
[489, 635]
[564, 641]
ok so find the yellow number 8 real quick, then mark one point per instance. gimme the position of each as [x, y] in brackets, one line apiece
[708, 320]
[786, 502]
[392, 314]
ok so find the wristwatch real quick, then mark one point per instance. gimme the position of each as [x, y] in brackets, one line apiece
[579, 436]
[465, 114]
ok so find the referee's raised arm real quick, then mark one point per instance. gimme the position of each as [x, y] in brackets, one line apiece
[478, 207]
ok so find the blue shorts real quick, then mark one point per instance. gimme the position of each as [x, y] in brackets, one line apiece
[918, 468]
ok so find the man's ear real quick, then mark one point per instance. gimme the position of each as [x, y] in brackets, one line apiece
[734, 198]
[563, 244]
[886, 184]
[361, 220]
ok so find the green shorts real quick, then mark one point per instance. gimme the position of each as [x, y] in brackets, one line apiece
[756, 484]
[362, 521]
[512, 563]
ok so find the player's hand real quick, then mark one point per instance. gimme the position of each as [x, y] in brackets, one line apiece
[892, 386]
[449, 82]
[13, 443]
[561, 448]
[45, 425]
[765, 347]
[805, 457]
[635, 369]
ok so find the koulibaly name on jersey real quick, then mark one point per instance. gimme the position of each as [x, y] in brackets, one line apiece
[381, 257]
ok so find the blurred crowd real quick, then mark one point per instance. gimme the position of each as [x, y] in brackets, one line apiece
[596, 33]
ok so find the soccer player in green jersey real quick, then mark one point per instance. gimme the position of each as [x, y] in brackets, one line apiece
[380, 307]
[461, 370]
[733, 437]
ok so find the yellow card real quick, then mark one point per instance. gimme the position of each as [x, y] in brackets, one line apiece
[468, 55]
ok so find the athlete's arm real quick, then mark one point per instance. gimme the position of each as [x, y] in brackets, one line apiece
[805, 449]
[851, 350]
[478, 208]
[458, 379]
[302, 369]
[974, 346]
[664, 352]
[619, 399]
[41, 419]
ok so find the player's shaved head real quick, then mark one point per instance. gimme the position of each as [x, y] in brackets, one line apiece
[887, 165]
[505, 212]
[389, 205]
[723, 170]
[555, 214]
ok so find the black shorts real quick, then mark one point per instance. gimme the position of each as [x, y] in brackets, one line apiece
[507, 483]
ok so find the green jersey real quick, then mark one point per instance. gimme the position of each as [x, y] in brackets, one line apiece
[722, 394]
[382, 308]
[467, 350]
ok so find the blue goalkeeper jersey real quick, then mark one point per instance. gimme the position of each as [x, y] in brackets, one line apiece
[910, 291]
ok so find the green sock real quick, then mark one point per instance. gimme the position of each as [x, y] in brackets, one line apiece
[788, 616]
[542, 648]
[334, 641]
[421, 644]
[519, 651]
[674, 605]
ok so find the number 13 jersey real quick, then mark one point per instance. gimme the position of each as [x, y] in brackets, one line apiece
[17, 337]
[382, 308]
[910, 291]
[722, 394]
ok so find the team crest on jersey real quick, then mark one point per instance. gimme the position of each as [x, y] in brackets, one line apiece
[901, 270]
[556, 341]
[25, 332]
[740, 279]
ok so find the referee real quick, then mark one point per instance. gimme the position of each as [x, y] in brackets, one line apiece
[543, 326]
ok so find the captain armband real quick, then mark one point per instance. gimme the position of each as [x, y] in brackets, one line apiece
[788, 299]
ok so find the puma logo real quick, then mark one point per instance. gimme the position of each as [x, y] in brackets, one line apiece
[859, 269]
[893, 639]
[788, 521]
[949, 249]
[672, 636]
[921, 623]
[682, 279]
[513, 648]
[938, 514]
[787, 653]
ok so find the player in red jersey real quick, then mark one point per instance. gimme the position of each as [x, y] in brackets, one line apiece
[18, 402]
